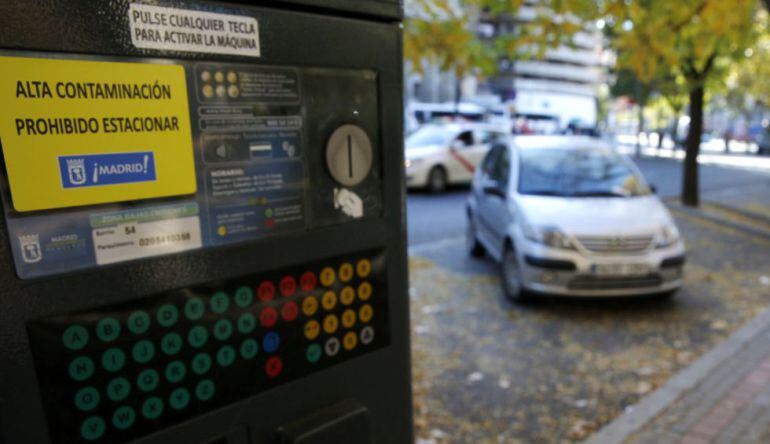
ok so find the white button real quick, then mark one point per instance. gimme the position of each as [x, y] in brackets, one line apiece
[332, 346]
[367, 335]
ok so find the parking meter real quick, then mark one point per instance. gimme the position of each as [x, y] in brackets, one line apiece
[203, 223]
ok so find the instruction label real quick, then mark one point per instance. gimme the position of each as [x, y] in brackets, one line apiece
[79, 132]
[158, 27]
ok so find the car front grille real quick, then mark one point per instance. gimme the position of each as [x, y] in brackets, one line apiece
[616, 244]
[614, 283]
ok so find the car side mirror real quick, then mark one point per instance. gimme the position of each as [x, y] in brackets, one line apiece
[493, 187]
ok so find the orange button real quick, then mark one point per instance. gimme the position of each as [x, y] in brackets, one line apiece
[348, 318]
[365, 313]
[331, 323]
[329, 300]
[346, 272]
[312, 328]
[327, 276]
[347, 295]
[363, 268]
[310, 305]
[364, 291]
[350, 340]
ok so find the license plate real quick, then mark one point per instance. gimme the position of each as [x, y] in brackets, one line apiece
[620, 269]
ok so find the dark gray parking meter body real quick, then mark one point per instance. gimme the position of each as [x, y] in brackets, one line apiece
[203, 223]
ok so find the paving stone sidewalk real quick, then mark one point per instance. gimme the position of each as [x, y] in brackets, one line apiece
[724, 397]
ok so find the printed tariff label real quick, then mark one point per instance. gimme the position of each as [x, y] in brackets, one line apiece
[79, 132]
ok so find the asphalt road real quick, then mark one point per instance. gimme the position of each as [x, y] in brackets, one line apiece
[432, 218]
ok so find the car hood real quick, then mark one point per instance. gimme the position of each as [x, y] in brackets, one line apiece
[596, 215]
[422, 151]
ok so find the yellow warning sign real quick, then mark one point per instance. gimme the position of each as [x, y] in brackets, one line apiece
[77, 132]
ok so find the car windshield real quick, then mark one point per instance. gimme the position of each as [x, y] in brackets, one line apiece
[428, 135]
[577, 173]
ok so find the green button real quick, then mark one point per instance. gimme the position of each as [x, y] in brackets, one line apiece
[113, 359]
[108, 329]
[118, 389]
[249, 348]
[123, 417]
[87, 398]
[226, 356]
[152, 408]
[175, 371]
[92, 428]
[219, 302]
[201, 363]
[143, 351]
[147, 380]
[197, 336]
[246, 323]
[171, 344]
[244, 296]
[194, 309]
[138, 322]
[75, 337]
[223, 329]
[81, 368]
[313, 353]
[179, 398]
[167, 315]
[204, 390]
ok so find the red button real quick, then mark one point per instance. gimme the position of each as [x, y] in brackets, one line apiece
[307, 281]
[289, 311]
[268, 317]
[266, 291]
[288, 286]
[270, 223]
[273, 366]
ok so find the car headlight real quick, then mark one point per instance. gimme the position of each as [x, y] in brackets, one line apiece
[550, 236]
[412, 162]
[668, 236]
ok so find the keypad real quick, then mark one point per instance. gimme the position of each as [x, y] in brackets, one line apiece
[117, 373]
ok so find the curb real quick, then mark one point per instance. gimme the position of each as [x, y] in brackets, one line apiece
[758, 232]
[630, 422]
[740, 211]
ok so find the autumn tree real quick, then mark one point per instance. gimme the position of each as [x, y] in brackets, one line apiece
[694, 39]
[443, 33]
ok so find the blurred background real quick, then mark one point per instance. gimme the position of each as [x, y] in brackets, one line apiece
[674, 92]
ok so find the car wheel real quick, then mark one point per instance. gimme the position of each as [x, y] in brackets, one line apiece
[437, 179]
[472, 244]
[511, 276]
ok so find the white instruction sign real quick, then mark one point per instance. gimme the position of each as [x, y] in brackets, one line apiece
[146, 239]
[158, 27]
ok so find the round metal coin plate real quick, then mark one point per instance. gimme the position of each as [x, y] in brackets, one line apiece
[349, 155]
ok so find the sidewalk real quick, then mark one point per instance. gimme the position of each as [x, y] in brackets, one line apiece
[724, 397]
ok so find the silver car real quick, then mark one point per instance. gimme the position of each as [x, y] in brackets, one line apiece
[570, 216]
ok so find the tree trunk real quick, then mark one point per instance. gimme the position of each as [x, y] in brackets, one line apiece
[692, 148]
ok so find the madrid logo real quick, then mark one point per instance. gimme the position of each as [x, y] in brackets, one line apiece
[30, 248]
[76, 169]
